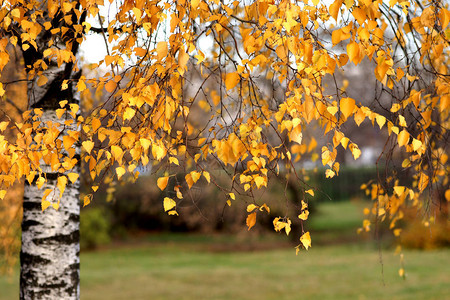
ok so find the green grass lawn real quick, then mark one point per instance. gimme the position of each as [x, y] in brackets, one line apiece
[171, 271]
[216, 267]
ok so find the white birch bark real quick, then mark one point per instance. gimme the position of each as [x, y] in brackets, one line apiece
[50, 245]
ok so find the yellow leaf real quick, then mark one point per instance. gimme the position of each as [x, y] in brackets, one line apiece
[40, 182]
[329, 173]
[207, 176]
[73, 177]
[86, 200]
[15, 13]
[137, 13]
[120, 171]
[332, 110]
[403, 138]
[161, 50]
[296, 135]
[200, 57]
[81, 86]
[355, 151]
[353, 52]
[129, 113]
[380, 120]
[344, 142]
[259, 181]
[305, 239]
[2, 194]
[401, 272]
[311, 192]
[145, 143]
[88, 146]
[195, 3]
[3, 125]
[304, 215]
[162, 182]
[287, 228]
[232, 196]
[169, 204]
[61, 184]
[251, 208]
[251, 220]
[359, 116]
[60, 112]
[231, 80]
[402, 121]
[174, 160]
[406, 163]
[399, 190]
[304, 205]
[264, 207]
[416, 144]
[117, 152]
[158, 152]
[177, 189]
[195, 176]
[74, 108]
[189, 180]
[347, 105]
[183, 59]
[423, 181]
[56, 205]
[45, 204]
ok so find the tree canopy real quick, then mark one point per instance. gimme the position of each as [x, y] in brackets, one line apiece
[236, 85]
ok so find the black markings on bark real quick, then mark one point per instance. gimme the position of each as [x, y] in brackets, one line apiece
[74, 218]
[29, 205]
[30, 259]
[29, 223]
[60, 239]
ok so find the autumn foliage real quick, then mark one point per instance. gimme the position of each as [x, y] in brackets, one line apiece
[236, 85]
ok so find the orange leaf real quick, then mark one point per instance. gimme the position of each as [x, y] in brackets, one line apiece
[251, 220]
[42, 80]
[353, 52]
[231, 80]
[334, 8]
[347, 106]
[162, 182]
[403, 138]
[161, 50]
[110, 86]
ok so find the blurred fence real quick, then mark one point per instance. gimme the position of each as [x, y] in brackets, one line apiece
[343, 187]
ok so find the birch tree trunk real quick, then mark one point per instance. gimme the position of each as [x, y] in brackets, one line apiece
[49, 256]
